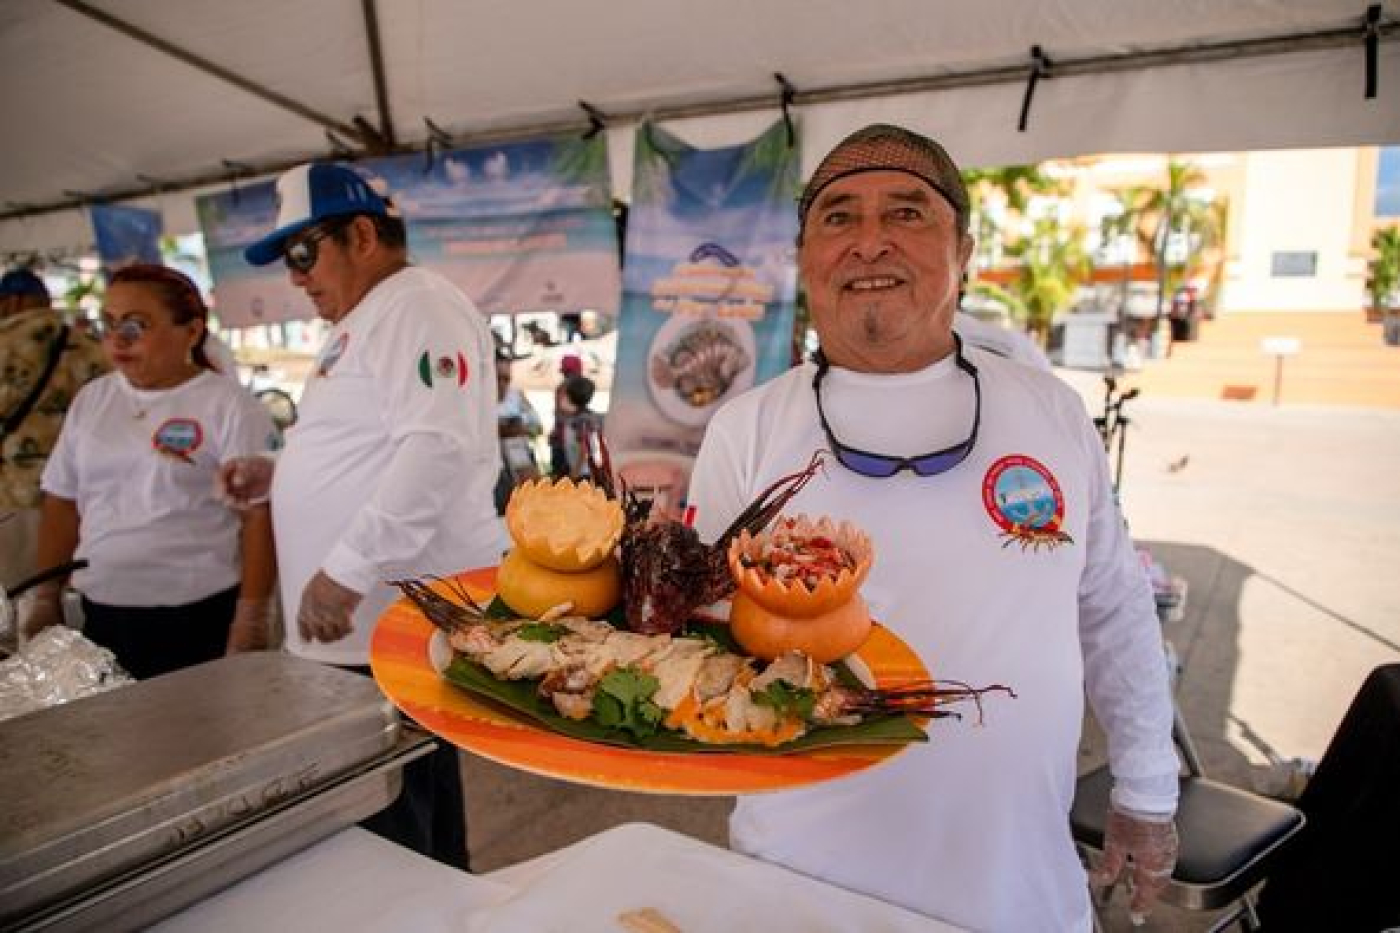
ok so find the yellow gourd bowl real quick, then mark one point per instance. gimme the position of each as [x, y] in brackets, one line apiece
[533, 590]
[794, 599]
[563, 525]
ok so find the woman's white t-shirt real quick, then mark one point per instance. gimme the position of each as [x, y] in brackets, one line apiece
[139, 465]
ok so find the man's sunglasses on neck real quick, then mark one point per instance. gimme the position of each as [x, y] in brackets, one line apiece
[883, 466]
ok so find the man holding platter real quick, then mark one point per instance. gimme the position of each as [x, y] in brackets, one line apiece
[999, 557]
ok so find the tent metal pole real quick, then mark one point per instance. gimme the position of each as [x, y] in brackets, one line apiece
[381, 84]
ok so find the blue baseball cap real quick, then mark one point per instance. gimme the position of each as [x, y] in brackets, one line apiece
[311, 193]
[21, 282]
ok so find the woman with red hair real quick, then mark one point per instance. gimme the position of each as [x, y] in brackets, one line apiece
[174, 577]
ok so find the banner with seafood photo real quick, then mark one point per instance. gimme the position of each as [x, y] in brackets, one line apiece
[522, 226]
[709, 297]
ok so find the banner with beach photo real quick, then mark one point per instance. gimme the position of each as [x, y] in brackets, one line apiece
[246, 295]
[523, 226]
[709, 296]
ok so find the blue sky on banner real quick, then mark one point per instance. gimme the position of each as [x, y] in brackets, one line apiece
[709, 292]
[125, 235]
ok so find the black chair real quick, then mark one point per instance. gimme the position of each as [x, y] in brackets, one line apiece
[1228, 836]
[1341, 871]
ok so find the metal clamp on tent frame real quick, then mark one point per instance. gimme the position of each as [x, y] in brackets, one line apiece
[1040, 68]
[234, 169]
[1371, 35]
[438, 138]
[597, 122]
[788, 96]
[339, 147]
[157, 185]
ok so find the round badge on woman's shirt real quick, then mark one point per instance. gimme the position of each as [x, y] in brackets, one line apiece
[178, 438]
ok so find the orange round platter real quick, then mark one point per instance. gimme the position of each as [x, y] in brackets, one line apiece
[400, 662]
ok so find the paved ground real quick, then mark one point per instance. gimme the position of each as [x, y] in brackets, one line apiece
[1282, 520]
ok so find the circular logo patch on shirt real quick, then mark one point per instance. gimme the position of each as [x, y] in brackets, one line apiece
[1024, 499]
[178, 438]
[331, 354]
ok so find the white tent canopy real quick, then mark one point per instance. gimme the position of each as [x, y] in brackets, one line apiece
[148, 101]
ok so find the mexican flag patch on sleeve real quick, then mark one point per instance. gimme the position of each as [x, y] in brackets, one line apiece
[442, 368]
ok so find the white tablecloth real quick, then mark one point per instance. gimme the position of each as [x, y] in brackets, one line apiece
[355, 882]
[352, 882]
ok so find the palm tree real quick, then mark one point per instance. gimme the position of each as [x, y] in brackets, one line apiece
[1178, 210]
[1126, 222]
[1383, 271]
[1016, 185]
[1053, 262]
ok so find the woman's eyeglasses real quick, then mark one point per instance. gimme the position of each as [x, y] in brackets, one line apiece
[301, 255]
[127, 330]
[883, 466]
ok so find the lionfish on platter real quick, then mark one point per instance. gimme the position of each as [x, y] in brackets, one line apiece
[667, 571]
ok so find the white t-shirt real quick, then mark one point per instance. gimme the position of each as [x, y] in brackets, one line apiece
[1003, 341]
[1013, 568]
[389, 470]
[220, 355]
[140, 465]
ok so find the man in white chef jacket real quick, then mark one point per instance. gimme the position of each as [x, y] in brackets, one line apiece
[388, 473]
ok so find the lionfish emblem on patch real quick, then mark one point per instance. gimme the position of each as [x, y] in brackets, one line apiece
[1024, 499]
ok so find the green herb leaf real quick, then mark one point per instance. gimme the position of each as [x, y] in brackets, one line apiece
[540, 631]
[787, 700]
[622, 700]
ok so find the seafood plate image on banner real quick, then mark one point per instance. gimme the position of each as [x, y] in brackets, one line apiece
[709, 297]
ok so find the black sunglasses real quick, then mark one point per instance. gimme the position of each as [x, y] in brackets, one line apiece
[882, 466]
[301, 254]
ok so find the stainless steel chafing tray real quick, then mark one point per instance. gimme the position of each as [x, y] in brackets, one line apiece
[121, 808]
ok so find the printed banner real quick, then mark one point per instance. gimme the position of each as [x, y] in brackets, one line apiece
[709, 292]
[246, 295]
[125, 235]
[524, 226]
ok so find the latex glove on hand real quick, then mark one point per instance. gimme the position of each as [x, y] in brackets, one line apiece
[326, 608]
[251, 625]
[1143, 844]
[243, 482]
[40, 608]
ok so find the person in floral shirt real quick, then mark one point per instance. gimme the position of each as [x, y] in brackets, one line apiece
[29, 330]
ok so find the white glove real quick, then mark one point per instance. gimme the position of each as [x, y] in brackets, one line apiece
[1149, 843]
[244, 482]
[40, 608]
[326, 609]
